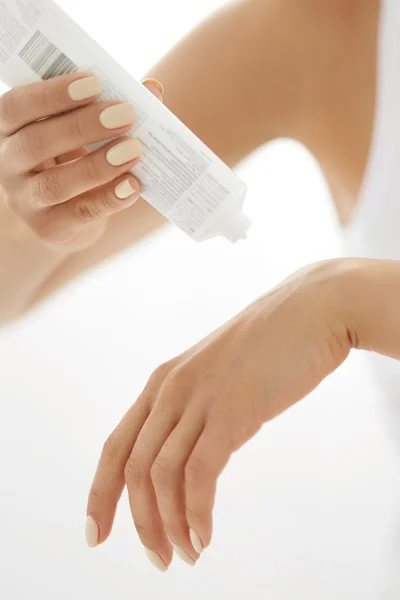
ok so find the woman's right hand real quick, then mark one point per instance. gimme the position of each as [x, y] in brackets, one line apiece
[59, 189]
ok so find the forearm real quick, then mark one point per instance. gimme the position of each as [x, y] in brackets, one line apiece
[30, 270]
[370, 295]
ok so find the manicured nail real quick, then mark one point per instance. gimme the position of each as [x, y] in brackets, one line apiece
[84, 88]
[124, 152]
[156, 560]
[183, 555]
[196, 541]
[92, 532]
[124, 189]
[154, 82]
[118, 115]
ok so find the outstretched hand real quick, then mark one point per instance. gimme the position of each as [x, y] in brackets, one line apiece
[201, 407]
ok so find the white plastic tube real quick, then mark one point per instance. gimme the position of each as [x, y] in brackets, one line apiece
[182, 178]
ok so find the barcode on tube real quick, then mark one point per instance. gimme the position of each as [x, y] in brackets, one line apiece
[45, 58]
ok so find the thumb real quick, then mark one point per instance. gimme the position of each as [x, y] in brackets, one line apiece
[155, 87]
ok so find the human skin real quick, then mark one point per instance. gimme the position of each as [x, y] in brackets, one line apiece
[202, 406]
[199, 408]
[299, 69]
[256, 70]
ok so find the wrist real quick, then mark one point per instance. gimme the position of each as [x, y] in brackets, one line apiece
[27, 264]
[335, 296]
[369, 291]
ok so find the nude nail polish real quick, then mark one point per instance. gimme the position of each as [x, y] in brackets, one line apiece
[124, 189]
[156, 560]
[124, 152]
[84, 88]
[196, 541]
[92, 532]
[154, 83]
[183, 555]
[119, 115]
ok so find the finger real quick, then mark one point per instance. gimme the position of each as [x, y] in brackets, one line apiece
[69, 156]
[71, 179]
[155, 87]
[59, 135]
[168, 479]
[142, 499]
[205, 464]
[109, 481]
[28, 103]
[67, 225]
[60, 160]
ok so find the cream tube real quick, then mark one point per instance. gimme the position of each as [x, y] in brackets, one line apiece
[182, 178]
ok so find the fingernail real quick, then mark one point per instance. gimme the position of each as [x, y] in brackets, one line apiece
[196, 541]
[124, 152]
[92, 532]
[154, 82]
[124, 189]
[156, 560]
[118, 115]
[84, 88]
[183, 555]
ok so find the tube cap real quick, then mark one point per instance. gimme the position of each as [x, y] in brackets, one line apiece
[235, 228]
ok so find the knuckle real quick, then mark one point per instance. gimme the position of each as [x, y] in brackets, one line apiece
[86, 210]
[163, 472]
[12, 149]
[24, 146]
[15, 146]
[77, 125]
[110, 202]
[110, 449]
[158, 376]
[134, 472]
[29, 142]
[162, 371]
[210, 398]
[46, 188]
[196, 469]
[92, 173]
[175, 381]
[177, 375]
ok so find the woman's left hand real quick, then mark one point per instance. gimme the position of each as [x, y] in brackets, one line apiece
[202, 406]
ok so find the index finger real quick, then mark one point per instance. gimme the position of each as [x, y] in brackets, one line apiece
[109, 481]
[28, 103]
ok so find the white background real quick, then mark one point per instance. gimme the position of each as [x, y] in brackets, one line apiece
[304, 511]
